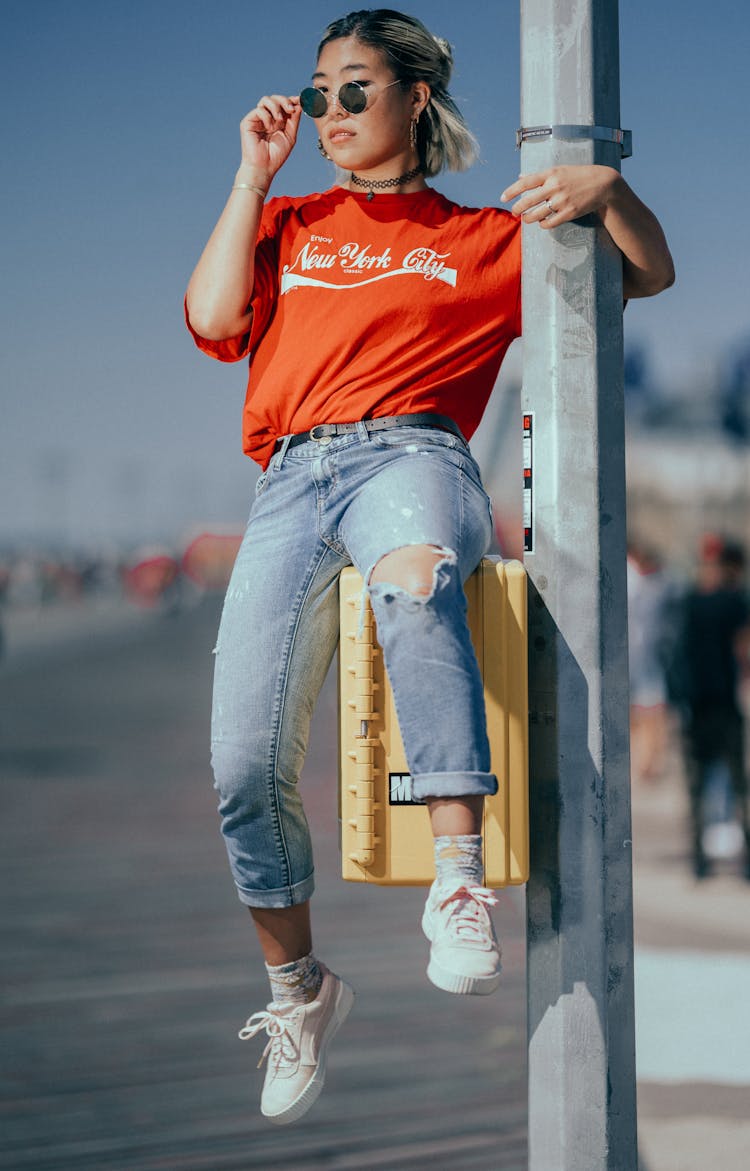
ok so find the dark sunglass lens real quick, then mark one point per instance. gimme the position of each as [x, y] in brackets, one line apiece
[313, 102]
[353, 97]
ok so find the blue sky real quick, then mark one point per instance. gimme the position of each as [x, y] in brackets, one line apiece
[119, 132]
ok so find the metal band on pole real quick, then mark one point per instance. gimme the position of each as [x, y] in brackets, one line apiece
[582, 1102]
[623, 138]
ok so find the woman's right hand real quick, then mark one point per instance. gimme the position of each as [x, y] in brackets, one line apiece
[268, 134]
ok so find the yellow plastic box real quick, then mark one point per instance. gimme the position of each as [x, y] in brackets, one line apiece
[385, 835]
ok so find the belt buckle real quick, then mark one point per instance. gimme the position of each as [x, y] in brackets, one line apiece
[322, 439]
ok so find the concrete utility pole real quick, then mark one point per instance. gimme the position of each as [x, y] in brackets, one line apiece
[582, 1105]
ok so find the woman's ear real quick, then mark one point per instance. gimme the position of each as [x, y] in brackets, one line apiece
[421, 94]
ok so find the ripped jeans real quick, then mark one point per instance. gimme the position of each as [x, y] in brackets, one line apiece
[318, 508]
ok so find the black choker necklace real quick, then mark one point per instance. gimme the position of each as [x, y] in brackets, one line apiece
[378, 184]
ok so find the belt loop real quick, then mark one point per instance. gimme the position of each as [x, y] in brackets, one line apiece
[278, 459]
[364, 435]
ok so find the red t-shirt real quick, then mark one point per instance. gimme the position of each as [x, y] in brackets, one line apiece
[368, 308]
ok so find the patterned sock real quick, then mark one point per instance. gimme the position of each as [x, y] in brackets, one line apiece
[458, 860]
[295, 983]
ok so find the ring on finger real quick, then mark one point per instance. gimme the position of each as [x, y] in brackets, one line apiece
[552, 210]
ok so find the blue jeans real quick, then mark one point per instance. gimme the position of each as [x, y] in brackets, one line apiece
[319, 508]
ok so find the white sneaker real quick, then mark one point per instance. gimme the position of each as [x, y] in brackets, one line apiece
[465, 954]
[299, 1036]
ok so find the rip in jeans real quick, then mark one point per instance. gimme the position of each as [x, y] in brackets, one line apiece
[383, 589]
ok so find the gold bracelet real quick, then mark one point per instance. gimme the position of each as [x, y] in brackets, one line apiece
[249, 187]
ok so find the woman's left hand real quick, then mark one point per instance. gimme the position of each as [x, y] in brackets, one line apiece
[552, 197]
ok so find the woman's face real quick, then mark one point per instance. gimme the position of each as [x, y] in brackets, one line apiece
[379, 136]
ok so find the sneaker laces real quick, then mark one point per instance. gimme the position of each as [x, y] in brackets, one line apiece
[281, 1045]
[468, 918]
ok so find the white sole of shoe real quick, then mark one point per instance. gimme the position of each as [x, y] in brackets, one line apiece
[461, 985]
[311, 1092]
[449, 981]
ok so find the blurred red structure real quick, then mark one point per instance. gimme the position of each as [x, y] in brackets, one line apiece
[209, 558]
[149, 579]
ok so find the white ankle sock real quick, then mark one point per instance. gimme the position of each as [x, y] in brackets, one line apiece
[295, 983]
[458, 860]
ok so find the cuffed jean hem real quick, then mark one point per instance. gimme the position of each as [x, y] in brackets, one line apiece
[454, 785]
[283, 896]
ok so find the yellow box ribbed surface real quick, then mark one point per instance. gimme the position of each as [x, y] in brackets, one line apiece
[385, 838]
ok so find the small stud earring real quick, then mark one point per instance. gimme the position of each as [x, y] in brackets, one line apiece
[322, 150]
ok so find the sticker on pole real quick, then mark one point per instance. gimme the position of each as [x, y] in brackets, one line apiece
[528, 482]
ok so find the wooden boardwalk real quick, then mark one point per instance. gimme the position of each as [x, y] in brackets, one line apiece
[129, 965]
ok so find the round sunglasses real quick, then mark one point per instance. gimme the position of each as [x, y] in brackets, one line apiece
[352, 97]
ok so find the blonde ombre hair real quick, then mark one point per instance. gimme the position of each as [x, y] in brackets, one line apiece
[443, 138]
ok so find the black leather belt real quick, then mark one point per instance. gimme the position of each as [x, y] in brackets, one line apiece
[324, 432]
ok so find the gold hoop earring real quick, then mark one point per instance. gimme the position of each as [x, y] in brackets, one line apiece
[413, 133]
[322, 150]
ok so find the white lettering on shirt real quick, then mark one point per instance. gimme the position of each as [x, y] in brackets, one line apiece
[427, 261]
[312, 257]
[354, 259]
[353, 256]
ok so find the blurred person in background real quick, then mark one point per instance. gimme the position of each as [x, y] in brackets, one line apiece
[711, 657]
[649, 596]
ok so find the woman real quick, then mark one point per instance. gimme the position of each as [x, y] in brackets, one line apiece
[376, 315]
